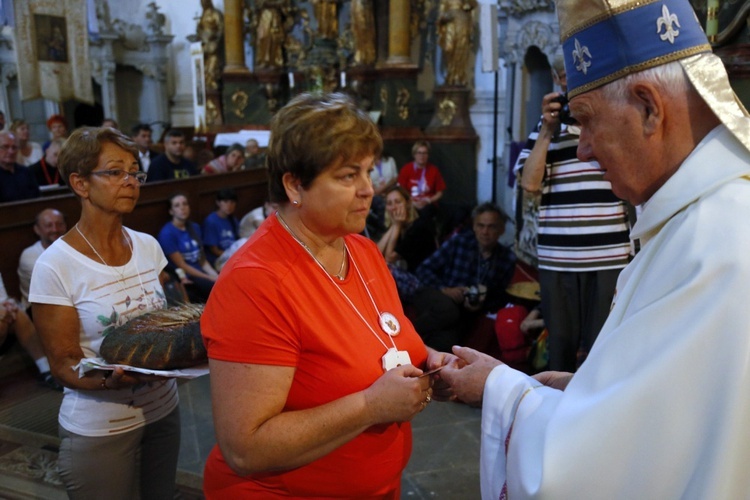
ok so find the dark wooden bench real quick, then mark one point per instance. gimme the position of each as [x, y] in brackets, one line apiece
[151, 213]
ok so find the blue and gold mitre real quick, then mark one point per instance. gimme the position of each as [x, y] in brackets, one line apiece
[604, 40]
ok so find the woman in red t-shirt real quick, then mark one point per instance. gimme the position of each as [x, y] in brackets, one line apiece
[315, 370]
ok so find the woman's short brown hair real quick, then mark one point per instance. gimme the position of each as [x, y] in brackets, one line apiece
[80, 152]
[313, 132]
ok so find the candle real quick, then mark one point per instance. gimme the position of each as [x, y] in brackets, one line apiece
[343, 79]
[291, 80]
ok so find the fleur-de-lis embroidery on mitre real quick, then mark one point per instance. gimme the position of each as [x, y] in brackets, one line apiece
[668, 20]
[579, 57]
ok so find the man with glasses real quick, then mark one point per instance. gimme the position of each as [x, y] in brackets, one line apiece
[16, 181]
[582, 238]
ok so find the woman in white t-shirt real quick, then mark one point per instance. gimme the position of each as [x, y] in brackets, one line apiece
[119, 430]
[29, 152]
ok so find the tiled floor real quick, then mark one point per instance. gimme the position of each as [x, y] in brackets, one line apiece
[444, 462]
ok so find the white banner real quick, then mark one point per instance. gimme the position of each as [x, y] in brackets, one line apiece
[488, 37]
[199, 87]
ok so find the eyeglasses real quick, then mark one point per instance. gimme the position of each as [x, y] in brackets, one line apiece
[117, 175]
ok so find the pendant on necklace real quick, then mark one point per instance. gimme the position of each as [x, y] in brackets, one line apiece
[394, 358]
[389, 324]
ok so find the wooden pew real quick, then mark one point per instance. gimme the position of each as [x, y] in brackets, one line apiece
[151, 213]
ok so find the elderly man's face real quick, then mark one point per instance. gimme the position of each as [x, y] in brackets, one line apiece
[8, 150]
[488, 227]
[612, 135]
[51, 225]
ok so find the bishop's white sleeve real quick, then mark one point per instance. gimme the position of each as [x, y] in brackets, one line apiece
[511, 399]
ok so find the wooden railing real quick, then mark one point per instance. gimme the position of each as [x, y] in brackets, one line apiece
[151, 213]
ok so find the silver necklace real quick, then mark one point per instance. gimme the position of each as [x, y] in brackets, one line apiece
[339, 274]
[387, 321]
[121, 278]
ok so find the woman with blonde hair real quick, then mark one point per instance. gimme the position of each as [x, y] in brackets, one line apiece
[29, 152]
[409, 239]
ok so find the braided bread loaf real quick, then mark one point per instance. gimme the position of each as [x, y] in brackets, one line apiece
[166, 339]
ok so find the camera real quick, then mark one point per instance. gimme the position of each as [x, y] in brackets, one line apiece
[565, 110]
[472, 296]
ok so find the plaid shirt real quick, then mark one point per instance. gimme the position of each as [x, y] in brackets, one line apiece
[458, 263]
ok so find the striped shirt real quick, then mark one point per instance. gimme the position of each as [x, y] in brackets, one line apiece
[583, 226]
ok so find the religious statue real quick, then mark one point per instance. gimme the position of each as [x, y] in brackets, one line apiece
[455, 29]
[156, 20]
[270, 30]
[363, 28]
[211, 31]
[327, 16]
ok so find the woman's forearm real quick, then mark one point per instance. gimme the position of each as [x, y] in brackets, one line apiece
[296, 438]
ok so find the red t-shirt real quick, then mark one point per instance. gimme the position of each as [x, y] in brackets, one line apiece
[273, 305]
[421, 182]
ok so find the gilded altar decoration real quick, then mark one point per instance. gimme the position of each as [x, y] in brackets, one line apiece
[239, 103]
[402, 103]
[455, 31]
[271, 21]
[363, 29]
[384, 100]
[52, 40]
[213, 114]
[327, 16]
[446, 111]
[210, 31]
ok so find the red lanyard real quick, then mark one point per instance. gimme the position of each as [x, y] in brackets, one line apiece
[46, 174]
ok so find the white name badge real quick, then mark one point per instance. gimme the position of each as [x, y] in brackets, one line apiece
[394, 358]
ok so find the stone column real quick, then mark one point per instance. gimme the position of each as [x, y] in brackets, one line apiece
[399, 46]
[233, 37]
[103, 68]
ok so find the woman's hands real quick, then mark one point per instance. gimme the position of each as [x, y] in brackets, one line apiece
[398, 395]
[121, 379]
[398, 215]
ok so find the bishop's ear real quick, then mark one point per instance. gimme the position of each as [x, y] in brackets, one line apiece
[651, 105]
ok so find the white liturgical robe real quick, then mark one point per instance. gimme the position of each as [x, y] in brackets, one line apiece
[661, 407]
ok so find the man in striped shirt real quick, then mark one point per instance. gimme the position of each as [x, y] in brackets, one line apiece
[583, 240]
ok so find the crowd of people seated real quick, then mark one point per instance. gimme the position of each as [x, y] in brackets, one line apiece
[445, 282]
[454, 285]
[174, 158]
